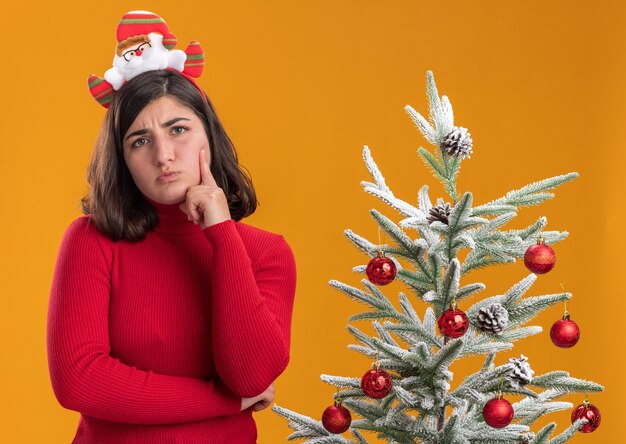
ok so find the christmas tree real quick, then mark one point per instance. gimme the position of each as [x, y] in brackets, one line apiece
[407, 397]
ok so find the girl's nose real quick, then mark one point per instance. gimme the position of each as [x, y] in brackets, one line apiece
[164, 150]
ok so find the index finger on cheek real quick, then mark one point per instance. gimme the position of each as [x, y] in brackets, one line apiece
[203, 168]
[207, 177]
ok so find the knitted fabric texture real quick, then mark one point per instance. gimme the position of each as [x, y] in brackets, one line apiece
[157, 341]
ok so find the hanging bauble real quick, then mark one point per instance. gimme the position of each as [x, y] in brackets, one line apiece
[565, 332]
[539, 258]
[453, 322]
[336, 418]
[498, 412]
[376, 383]
[381, 270]
[587, 411]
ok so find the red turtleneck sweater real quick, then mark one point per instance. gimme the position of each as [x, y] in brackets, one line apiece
[157, 341]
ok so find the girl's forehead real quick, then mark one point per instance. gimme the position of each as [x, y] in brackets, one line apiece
[163, 109]
[164, 104]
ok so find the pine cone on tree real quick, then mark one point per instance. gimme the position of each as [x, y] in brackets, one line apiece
[522, 374]
[492, 319]
[440, 212]
[457, 142]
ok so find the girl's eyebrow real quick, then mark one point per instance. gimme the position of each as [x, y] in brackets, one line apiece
[163, 125]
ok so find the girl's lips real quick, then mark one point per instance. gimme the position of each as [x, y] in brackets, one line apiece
[168, 177]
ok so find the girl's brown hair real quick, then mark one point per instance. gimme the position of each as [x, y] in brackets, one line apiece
[116, 205]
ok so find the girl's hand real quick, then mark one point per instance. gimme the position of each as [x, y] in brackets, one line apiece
[259, 402]
[206, 203]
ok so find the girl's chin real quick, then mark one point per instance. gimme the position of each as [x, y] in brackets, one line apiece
[168, 197]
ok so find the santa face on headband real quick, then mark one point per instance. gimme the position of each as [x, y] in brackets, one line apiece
[139, 54]
[144, 43]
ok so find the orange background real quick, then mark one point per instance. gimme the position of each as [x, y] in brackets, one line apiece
[301, 87]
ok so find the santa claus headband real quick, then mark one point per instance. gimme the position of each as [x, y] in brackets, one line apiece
[145, 43]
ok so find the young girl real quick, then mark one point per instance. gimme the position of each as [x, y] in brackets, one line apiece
[169, 319]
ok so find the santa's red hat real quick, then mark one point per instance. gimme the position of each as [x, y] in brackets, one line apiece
[135, 23]
[135, 26]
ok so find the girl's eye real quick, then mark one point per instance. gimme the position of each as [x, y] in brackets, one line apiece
[179, 129]
[139, 142]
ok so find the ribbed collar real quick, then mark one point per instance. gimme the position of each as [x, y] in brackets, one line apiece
[172, 220]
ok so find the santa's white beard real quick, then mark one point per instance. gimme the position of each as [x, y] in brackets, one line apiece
[150, 59]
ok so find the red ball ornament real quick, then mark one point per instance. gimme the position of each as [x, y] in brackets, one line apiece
[498, 413]
[336, 418]
[381, 270]
[539, 258]
[565, 332]
[589, 412]
[376, 383]
[453, 323]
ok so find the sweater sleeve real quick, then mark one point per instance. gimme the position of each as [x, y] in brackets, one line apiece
[252, 309]
[84, 376]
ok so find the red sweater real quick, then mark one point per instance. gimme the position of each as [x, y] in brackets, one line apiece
[157, 341]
